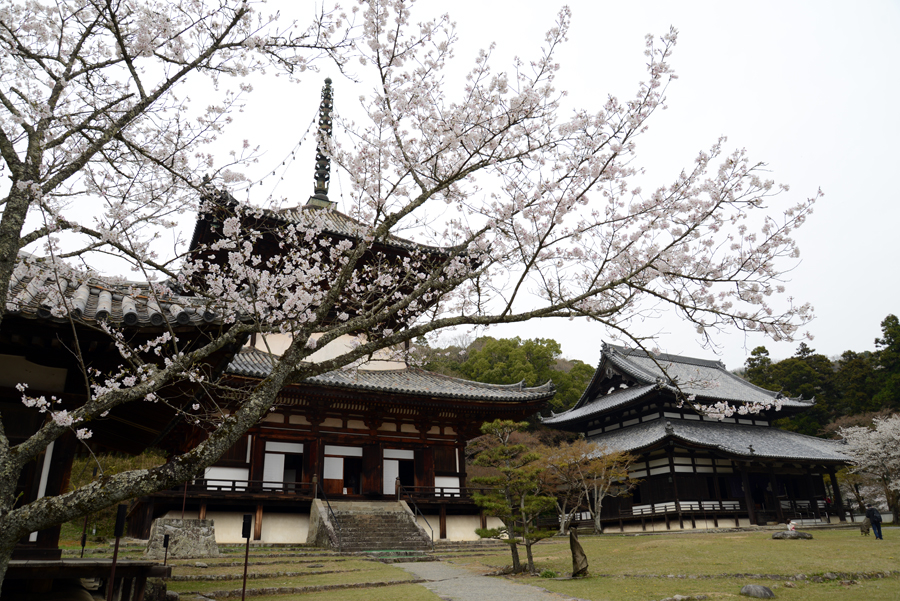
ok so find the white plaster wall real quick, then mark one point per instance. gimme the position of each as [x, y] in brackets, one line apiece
[278, 343]
[276, 527]
[285, 527]
[459, 527]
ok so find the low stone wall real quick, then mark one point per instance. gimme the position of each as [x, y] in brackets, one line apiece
[187, 539]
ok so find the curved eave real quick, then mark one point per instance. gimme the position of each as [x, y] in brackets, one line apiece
[575, 417]
[734, 440]
[411, 382]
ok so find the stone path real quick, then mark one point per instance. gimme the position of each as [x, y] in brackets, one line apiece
[454, 583]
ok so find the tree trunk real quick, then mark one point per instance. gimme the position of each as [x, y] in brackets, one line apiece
[517, 564]
[530, 557]
[6, 550]
[563, 518]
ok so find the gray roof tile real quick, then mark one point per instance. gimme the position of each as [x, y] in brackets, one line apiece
[414, 381]
[733, 439]
[38, 291]
[709, 380]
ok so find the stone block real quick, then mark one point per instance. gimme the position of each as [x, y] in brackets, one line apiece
[187, 539]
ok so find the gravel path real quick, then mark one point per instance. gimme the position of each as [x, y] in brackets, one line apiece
[454, 583]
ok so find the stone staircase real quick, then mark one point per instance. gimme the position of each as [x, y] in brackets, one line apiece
[370, 526]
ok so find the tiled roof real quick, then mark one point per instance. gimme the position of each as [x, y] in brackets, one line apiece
[708, 380]
[733, 439]
[335, 222]
[612, 400]
[411, 380]
[36, 291]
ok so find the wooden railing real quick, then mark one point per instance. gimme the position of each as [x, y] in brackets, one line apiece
[225, 486]
[432, 493]
[683, 507]
[303, 489]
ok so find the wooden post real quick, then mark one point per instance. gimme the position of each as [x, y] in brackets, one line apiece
[838, 500]
[443, 528]
[257, 527]
[774, 484]
[748, 496]
[812, 494]
[202, 511]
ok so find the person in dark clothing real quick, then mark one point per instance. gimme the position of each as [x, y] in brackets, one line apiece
[874, 517]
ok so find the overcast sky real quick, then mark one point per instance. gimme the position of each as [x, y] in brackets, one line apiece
[810, 88]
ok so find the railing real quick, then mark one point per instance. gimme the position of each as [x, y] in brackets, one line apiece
[317, 489]
[400, 491]
[251, 486]
[431, 493]
[683, 507]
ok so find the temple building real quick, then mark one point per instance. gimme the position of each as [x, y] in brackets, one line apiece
[697, 470]
[373, 434]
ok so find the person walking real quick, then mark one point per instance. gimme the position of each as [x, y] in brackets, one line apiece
[874, 517]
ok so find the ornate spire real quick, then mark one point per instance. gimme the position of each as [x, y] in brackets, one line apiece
[323, 161]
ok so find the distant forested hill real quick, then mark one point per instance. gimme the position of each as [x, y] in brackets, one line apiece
[847, 389]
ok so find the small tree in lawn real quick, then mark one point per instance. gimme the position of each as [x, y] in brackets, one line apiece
[515, 499]
[563, 469]
[605, 475]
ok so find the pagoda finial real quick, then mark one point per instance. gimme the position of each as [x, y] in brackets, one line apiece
[323, 161]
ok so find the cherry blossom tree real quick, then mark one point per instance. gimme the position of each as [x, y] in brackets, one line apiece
[518, 211]
[876, 454]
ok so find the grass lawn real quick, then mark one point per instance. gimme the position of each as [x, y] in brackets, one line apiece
[622, 568]
[636, 568]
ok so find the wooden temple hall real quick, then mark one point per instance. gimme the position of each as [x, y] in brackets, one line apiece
[697, 471]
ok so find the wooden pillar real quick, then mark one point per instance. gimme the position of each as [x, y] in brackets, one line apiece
[461, 462]
[443, 528]
[748, 497]
[257, 526]
[312, 452]
[257, 456]
[482, 518]
[836, 490]
[671, 453]
[774, 484]
[202, 511]
[812, 494]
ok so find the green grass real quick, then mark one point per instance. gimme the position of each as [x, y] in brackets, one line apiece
[622, 568]
[348, 573]
[637, 568]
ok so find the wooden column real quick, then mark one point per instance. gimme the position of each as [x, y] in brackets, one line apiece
[716, 489]
[748, 496]
[671, 452]
[311, 455]
[202, 515]
[836, 490]
[774, 485]
[257, 457]
[443, 527]
[812, 494]
[257, 526]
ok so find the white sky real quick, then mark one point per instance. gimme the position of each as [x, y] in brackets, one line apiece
[810, 88]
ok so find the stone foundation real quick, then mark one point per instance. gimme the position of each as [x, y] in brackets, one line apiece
[187, 539]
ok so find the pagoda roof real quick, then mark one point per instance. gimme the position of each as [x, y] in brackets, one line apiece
[709, 382]
[254, 363]
[731, 439]
[330, 220]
